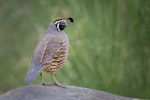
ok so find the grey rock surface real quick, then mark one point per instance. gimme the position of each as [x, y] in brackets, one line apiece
[40, 92]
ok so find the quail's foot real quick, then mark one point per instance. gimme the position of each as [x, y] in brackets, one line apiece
[45, 84]
[59, 85]
[54, 84]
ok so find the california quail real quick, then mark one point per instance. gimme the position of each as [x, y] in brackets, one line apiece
[51, 51]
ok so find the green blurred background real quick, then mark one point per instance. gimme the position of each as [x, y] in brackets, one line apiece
[109, 43]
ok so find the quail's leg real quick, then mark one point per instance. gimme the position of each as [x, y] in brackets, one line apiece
[42, 81]
[56, 83]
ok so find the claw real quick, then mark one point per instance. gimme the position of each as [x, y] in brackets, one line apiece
[54, 84]
[59, 85]
[44, 84]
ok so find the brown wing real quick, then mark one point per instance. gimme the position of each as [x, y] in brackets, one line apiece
[51, 47]
[47, 46]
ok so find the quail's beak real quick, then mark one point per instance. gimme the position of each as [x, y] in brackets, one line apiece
[66, 25]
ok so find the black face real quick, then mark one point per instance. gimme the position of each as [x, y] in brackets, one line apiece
[60, 26]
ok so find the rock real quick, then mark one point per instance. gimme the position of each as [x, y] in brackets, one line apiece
[40, 92]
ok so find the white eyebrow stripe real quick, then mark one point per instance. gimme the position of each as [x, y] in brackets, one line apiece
[59, 21]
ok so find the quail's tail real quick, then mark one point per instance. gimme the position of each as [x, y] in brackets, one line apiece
[33, 71]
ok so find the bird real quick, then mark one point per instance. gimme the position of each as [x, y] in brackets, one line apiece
[51, 52]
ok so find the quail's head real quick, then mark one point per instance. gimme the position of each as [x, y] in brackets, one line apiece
[62, 23]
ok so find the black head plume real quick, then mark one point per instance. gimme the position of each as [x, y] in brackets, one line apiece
[71, 19]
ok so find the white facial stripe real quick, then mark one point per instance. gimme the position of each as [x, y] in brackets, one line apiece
[58, 26]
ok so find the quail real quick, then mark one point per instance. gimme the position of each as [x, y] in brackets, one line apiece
[51, 52]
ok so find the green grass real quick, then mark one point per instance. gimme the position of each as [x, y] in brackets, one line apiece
[109, 43]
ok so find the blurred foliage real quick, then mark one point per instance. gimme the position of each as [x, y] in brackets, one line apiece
[109, 43]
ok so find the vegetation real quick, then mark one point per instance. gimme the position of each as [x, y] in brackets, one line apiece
[109, 43]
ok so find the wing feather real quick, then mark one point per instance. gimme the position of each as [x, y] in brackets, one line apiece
[46, 47]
